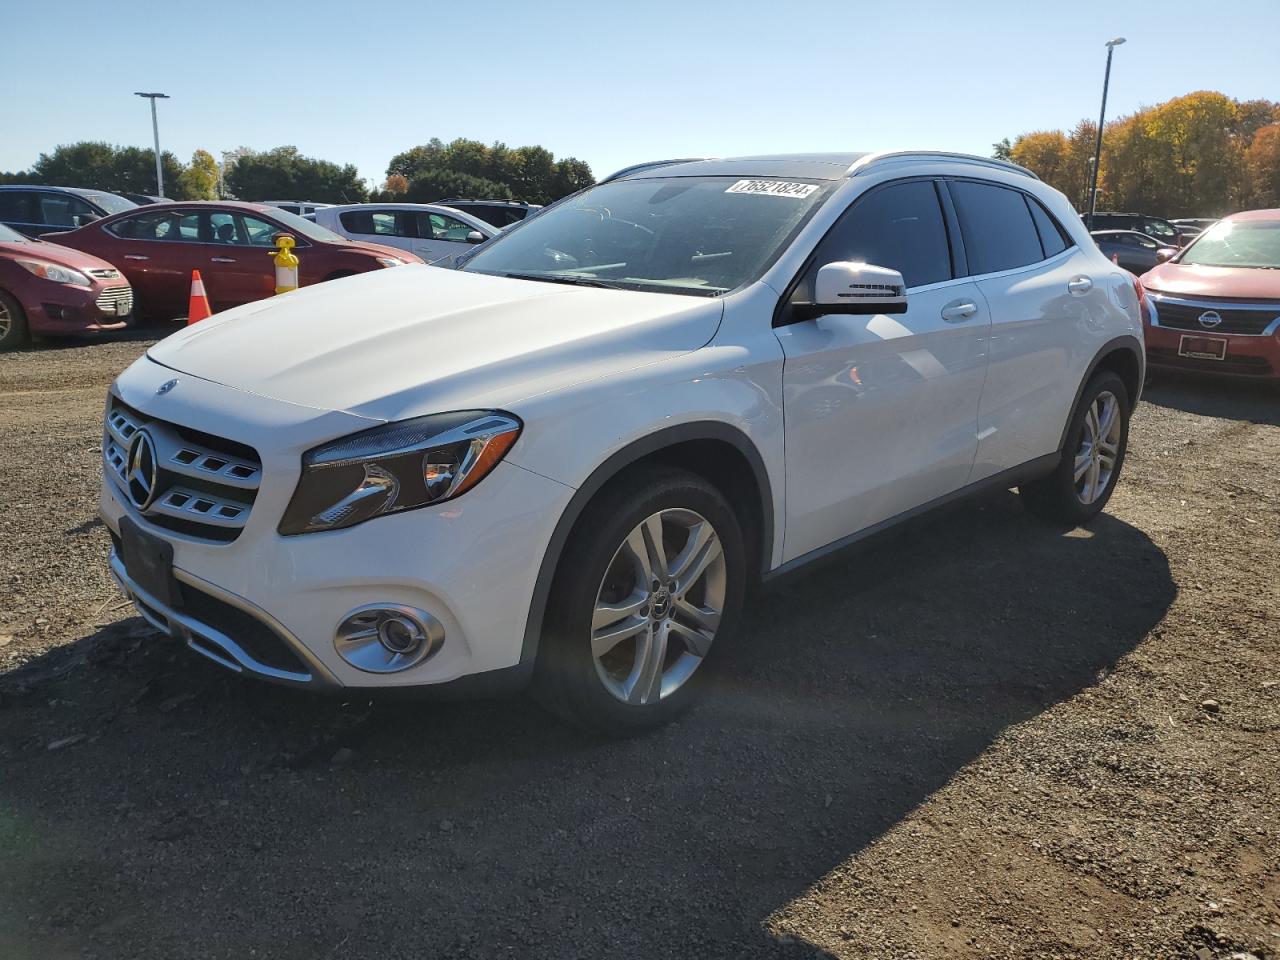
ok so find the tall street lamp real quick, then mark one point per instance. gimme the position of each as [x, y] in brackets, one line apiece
[155, 129]
[1102, 117]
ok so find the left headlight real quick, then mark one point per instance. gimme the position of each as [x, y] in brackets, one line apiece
[395, 467]
[51, 271]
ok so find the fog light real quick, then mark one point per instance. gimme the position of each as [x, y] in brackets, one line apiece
[384, 638]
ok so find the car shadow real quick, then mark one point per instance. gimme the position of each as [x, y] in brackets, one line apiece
[202, 814]
[1253, 401]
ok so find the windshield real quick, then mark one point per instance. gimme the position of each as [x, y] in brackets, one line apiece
[110, 202]
[691, 235]
[312, 231]
[9, 235]
[1237, 243]
[1160, 229]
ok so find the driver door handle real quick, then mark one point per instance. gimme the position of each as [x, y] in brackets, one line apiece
[134, 256]
[959, 312]
[222, 259]
[1079, 285]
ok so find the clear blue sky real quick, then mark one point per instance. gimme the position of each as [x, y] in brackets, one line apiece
[609, 84]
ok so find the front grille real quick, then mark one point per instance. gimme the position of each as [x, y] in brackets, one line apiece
[105, 273]
[116, 301]
[205, 486]
[1240, 319]
[254, 637]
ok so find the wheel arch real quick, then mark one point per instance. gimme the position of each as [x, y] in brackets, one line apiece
[1123, 355]
[714, 450]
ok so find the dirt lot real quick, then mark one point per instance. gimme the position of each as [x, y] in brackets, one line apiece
[980, 738]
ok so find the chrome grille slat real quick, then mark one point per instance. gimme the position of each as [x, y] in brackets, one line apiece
[111, 297]
[199, 487]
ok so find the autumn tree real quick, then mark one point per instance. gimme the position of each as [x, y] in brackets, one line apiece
[1262, 168]
[199, 181]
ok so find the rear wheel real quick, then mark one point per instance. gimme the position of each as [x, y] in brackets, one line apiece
[13, 322]
[1092, 456]
[650, 581]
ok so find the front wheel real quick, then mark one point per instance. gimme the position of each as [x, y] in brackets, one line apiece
[1092, 456]
[650, 582]
[13, 322]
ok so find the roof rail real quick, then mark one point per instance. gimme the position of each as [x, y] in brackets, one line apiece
[862, 164]
[518, 203]
[637, 167]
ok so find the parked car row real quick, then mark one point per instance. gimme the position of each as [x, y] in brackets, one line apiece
[154, 243]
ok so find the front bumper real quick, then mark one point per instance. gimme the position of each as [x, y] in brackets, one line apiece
[471, 562]
[59, 309]
[1254, 355]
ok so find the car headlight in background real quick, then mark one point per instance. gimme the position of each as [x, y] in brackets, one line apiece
[51, 271]
[390, 262]
[395, 467]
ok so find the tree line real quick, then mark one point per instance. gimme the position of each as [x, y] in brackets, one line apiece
[1199, 155]
[431, 171]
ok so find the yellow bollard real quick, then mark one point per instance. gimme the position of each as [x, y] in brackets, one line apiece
[286, 263]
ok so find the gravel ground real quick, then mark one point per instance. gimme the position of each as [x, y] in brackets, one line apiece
[980, 737]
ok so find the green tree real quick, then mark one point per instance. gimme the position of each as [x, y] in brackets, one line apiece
[284, 173]
[102, 166]
[1002, 150]
[200, 180]
[470, 168]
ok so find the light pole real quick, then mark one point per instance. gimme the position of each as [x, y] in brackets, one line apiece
[155, 129]
[1102, 117]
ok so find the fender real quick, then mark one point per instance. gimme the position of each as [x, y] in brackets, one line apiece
[1128, 342]
[610, 468]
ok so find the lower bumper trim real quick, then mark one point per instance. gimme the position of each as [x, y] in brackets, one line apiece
[204, 639]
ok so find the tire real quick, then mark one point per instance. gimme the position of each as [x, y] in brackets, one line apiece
[1063, 498]
[13, 322]
[621, 687]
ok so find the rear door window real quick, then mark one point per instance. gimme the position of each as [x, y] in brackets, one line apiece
[18, 206]
[163, 225]
[998, 231]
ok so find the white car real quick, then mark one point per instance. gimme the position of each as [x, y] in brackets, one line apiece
[302, 208]
[564, 463]
[431, 231]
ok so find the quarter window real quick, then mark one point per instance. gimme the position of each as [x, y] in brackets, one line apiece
[998, 231]
[1051, 235]
[899, 226]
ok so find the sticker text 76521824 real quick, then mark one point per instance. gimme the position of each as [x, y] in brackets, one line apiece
[774, 188]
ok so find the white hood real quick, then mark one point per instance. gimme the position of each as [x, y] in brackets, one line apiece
[410, 340]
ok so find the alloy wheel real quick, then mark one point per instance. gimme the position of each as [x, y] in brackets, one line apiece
[659, 606]
[6, 320]
[1099, 448]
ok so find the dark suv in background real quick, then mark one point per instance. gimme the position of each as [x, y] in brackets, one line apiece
[1157, 228]
[36, 210]
[500, 213]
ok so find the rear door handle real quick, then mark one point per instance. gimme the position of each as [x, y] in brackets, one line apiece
[135, 256]
[1079, 285]
[222, 260]
[959, 312]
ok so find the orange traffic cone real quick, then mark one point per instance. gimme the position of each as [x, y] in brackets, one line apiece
[199, 306]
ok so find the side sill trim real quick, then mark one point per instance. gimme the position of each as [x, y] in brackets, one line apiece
[1031, 470]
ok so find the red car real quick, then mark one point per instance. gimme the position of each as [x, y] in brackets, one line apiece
[1215, 306]
[230, 243]
[56, 291]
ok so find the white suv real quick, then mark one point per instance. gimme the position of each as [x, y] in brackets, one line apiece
[565, 462]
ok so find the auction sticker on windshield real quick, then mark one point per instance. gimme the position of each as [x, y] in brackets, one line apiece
[774, 188]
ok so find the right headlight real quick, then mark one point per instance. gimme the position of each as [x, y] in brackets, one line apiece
[395, 467]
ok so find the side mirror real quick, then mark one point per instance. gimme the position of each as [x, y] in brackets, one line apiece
[475, 236]
[857, 288]
[1165, 253]
[87, 218]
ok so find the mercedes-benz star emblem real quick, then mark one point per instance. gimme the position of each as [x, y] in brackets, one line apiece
[1210, 319]
[140, 470]
[166, 387]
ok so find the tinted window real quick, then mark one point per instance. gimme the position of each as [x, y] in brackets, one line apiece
[437, 226]
[1160, 229]
[899, 226]
[17, 206]
[999, 233]
[1051, 235]
[379, 223]
[64, 210]
[164, 225]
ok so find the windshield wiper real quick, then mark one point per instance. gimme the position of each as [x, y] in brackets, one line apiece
[562, 278]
